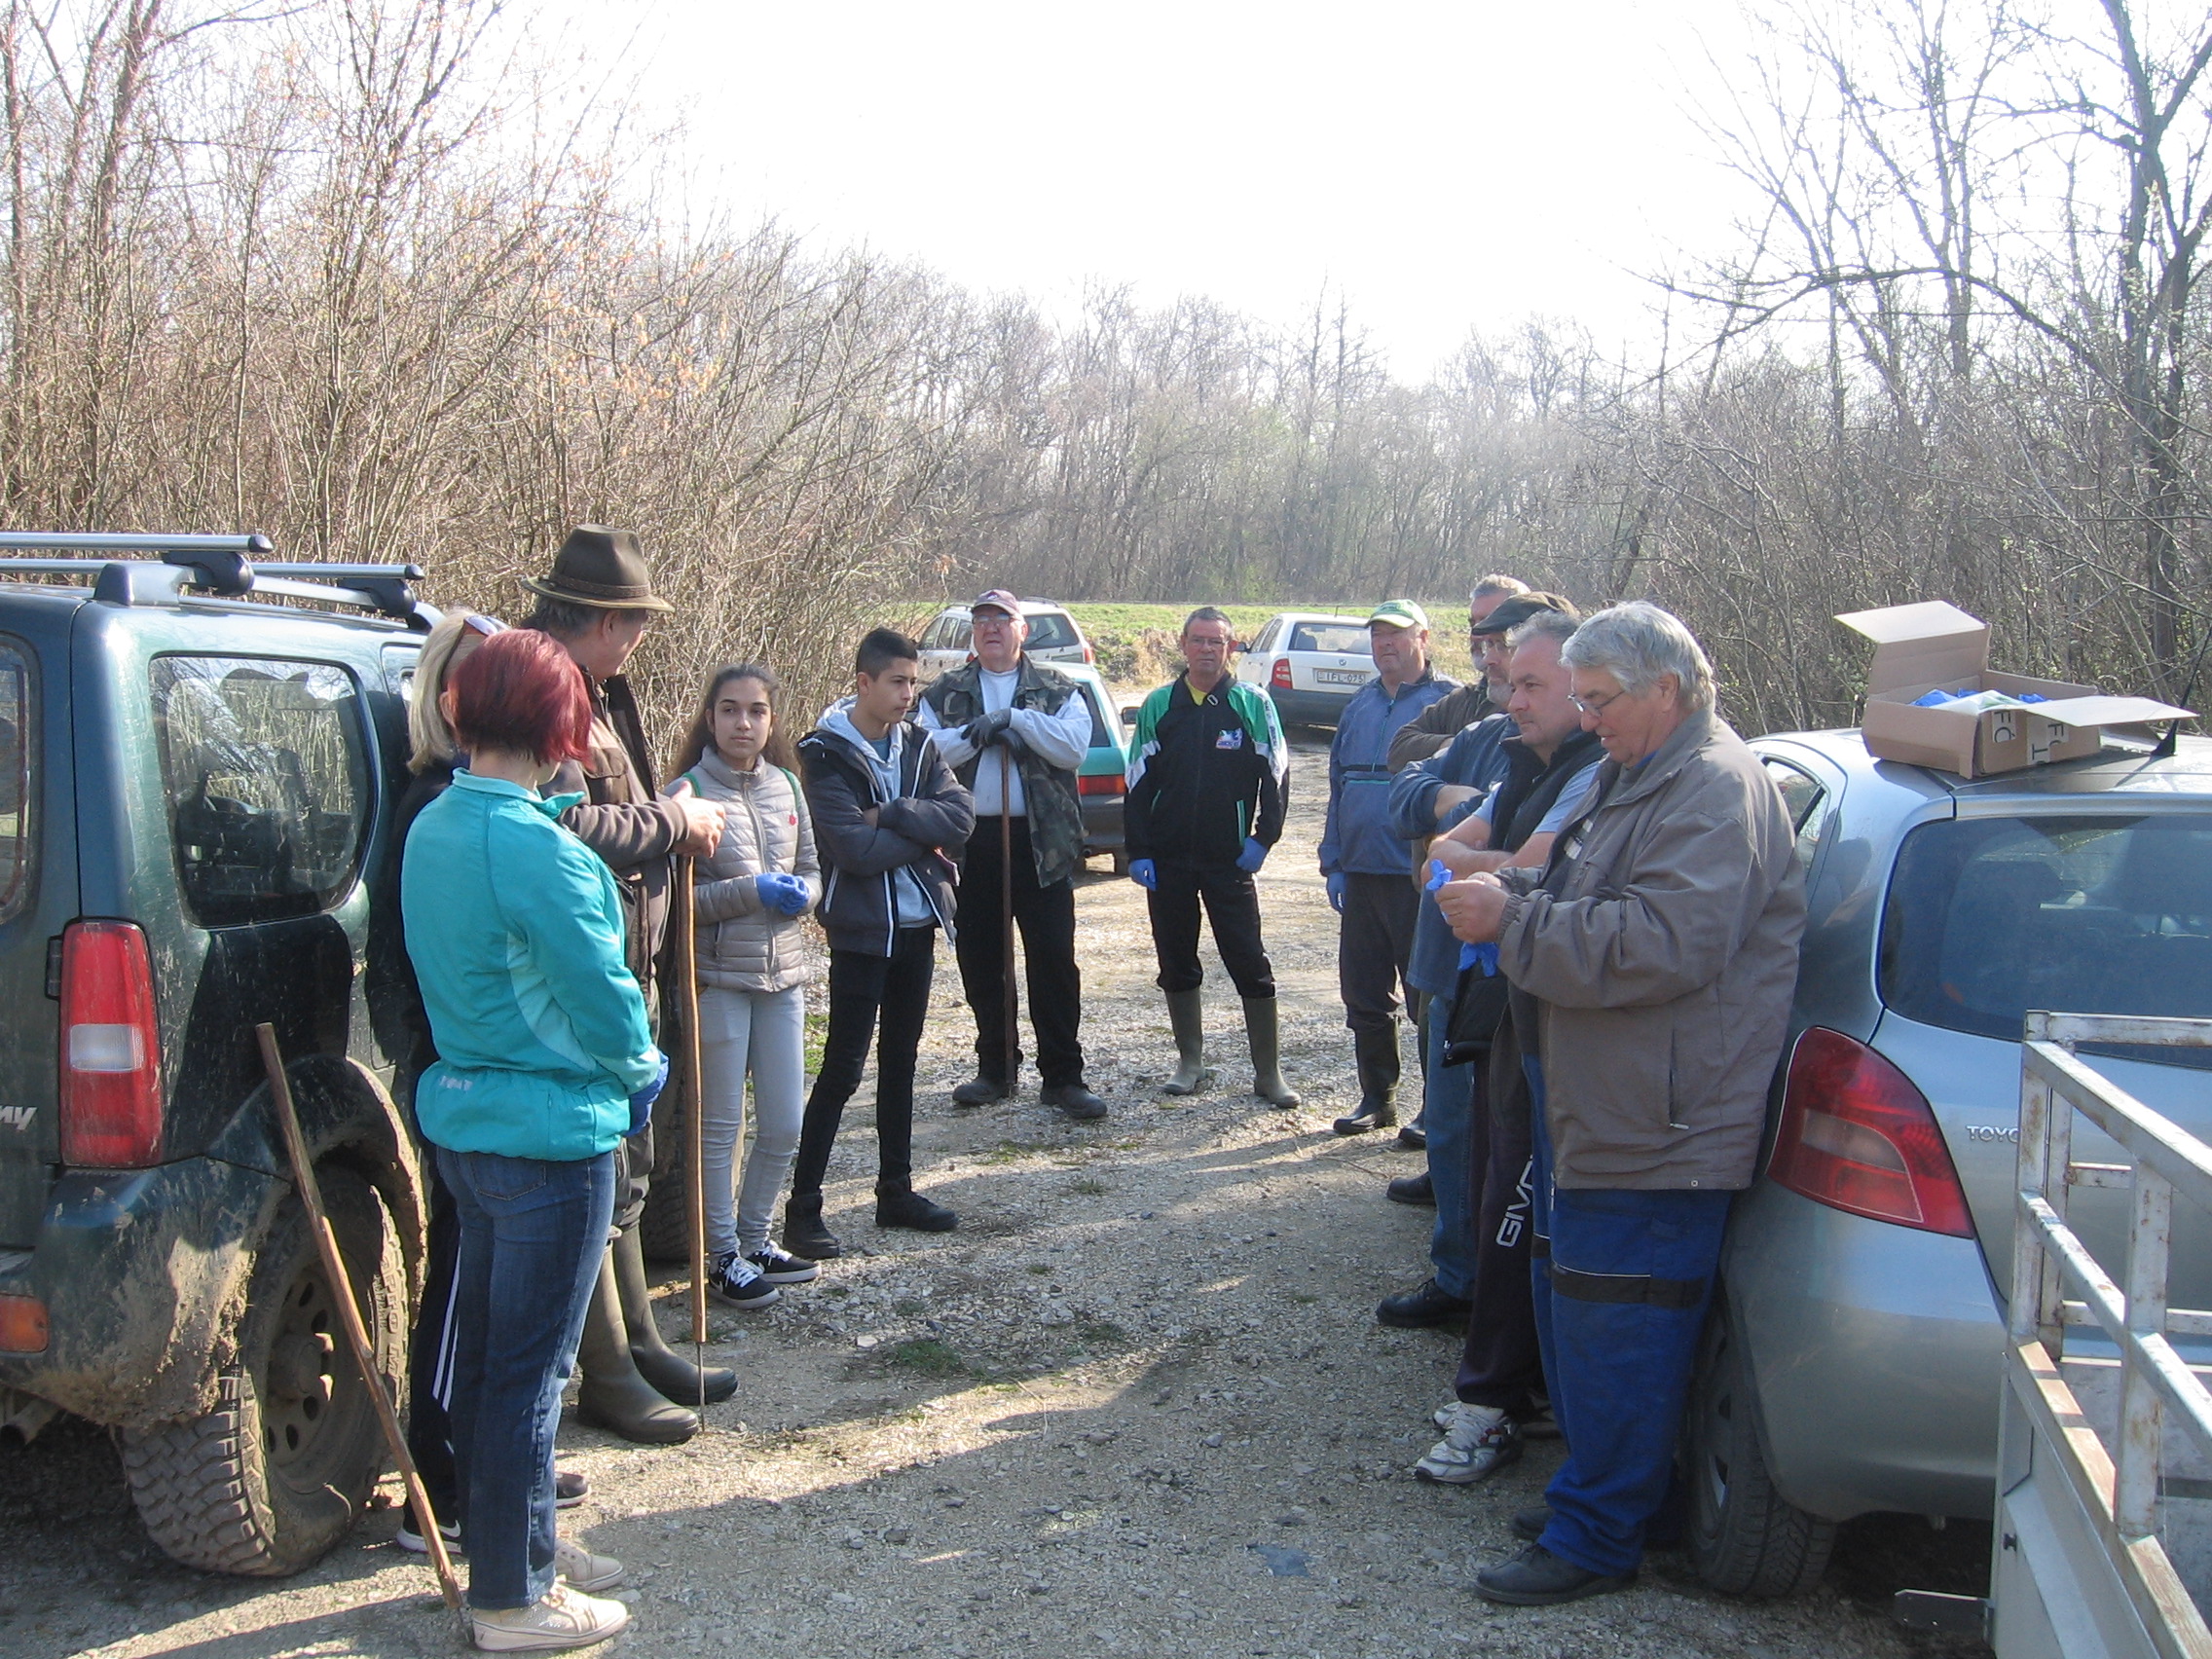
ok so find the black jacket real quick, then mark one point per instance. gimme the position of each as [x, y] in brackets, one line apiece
[1205, 774]
[921, 829]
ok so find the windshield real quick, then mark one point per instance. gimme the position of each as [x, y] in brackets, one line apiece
[1988, 918]
[1349, 639]
[1050, 631]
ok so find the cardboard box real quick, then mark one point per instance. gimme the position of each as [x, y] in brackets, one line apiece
[1935, 646]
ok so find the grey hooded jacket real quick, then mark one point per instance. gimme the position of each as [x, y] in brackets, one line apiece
[744, 946]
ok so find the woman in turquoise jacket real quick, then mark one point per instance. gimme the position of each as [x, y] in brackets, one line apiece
[545, 1062]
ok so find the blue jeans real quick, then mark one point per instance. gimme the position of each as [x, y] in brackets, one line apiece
[1448, 1119]
[1620, 1299]
[532, 1237]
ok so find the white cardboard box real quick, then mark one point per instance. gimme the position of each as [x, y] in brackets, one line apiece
[1936, 646]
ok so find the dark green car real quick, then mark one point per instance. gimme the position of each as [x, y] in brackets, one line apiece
[199, 757]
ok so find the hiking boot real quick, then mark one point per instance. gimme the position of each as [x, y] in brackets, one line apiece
[1478, 1442]
[585, 1571]
[1539, 1578]
[1187, 1019]
[980, 1092]
[1263, 1030]
[902, 1207]
[1076, 1101]
[563, 1618]
[736, 1283]
[1422, 1306]
[1412, 1190]
[780, 1266]
[804, 1236]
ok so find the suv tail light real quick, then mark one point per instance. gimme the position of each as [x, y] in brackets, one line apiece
[111, 1053]
[1857, 1136]
[1089, 655]
[1280, 678]
[1102, 783]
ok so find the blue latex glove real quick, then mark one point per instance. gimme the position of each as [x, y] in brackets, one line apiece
[1252, 857]
[1482, 956]
[1144, 876]
[641, 1102]
[1336, 881]
[1438, 874]
[780, 892]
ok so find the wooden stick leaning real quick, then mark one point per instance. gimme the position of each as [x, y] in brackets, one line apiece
[350, 1313]
[1005, 911]
[685, 965]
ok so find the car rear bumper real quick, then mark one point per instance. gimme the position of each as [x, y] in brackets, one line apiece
[1309, 708]
[1102, 825]
[1877, 1354]
[139, 1271]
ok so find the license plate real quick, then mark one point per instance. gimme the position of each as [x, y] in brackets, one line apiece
[1340, 676]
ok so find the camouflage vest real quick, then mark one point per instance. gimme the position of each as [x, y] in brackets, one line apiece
[1056, 815]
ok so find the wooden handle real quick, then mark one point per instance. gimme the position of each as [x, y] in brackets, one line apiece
[686, 965]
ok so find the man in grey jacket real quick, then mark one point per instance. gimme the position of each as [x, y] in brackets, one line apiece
[1659, 942]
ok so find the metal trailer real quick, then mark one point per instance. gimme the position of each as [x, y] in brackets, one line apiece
[2101, 1533]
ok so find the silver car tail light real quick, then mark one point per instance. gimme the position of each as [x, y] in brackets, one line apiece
[1856, 1134]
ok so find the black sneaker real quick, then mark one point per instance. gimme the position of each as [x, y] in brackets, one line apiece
[980, 1092]
[736, 1283]
[1412, 1190]
[1539, 1578]
[408, 1539]
[804, 1236]
[902, 1207]
[1530, 1524]
[780, 1266]
[1422, 1306]
[571, 1487]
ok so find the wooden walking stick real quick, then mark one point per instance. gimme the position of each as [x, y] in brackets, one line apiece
[1005, 911]
[349, 1314]
[687, 967]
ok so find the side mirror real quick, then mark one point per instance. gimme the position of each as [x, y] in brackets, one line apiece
[1239, 646]
[1129, 717]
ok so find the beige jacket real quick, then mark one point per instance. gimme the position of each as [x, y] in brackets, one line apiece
[744, 946]
[1661, 942]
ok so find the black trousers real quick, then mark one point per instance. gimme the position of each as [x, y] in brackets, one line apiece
[867, 993]
[1500, 1364]
[1233, 909]
[1374, 937]
[429, 1353]
[1046, 916]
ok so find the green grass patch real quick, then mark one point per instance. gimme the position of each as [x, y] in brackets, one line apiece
[926, 1356]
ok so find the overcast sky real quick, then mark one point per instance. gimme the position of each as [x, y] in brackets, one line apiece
[1442, 167]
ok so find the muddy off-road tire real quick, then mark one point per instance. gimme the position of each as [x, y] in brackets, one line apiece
[1744, 1539]
[276, 1474]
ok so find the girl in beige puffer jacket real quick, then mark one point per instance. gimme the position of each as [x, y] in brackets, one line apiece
[750, 898]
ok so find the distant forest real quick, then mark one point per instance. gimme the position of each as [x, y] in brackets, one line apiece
[347, 272]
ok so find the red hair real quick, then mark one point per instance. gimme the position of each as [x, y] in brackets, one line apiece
[520, 691]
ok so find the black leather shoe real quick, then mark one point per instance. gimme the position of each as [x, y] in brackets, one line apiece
[902, 1207]
[1413, 1136]
[1530, 1524]
[1422, 1306]
[1075, 1100]
[1539, 1578]
[1412, 1190]
[980, 1092]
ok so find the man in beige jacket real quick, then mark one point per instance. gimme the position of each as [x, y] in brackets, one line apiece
[1654, 958]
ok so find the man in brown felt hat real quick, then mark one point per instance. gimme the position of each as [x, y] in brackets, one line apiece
[597, 601]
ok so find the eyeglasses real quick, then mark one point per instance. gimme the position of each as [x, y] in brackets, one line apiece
[482, 624]
[1600, 706]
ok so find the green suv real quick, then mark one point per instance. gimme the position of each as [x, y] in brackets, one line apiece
[200, 756]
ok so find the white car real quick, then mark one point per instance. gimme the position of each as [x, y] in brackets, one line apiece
[1054, 636]
[1310, 663]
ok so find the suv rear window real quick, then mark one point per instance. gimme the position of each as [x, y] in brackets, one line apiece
[1052, 632]
[1341, 637]
[1987, 918]
[266, 771]
[17, 794]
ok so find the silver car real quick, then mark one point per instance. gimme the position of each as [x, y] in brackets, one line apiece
[1852, 1362]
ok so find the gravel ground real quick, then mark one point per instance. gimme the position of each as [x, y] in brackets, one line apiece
[1138, 1404]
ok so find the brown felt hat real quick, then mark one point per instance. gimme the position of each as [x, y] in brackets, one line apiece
[602, 568]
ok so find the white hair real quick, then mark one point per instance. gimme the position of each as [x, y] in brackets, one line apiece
[1505, 587]
[1637, 642]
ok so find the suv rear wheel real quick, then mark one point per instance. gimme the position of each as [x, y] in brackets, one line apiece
[275, 1475]
[1745, 1537]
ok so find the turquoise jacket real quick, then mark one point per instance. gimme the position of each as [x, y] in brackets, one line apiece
[516, 934]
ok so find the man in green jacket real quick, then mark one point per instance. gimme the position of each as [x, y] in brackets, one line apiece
[1208, 785]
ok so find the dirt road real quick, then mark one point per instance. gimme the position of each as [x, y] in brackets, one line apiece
[1138, 1404]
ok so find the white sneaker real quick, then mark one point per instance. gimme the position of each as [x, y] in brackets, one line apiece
[584, 1570]
[563, 1618]
[1478, 1441]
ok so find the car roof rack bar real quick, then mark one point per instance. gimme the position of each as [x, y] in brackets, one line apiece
[130, 542]
[219, 563]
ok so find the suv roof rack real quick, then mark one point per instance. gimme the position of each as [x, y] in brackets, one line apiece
[216, 563]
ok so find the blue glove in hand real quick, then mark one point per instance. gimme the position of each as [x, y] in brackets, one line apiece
[1482, 956]
[1144, 876]
[641, 1102]
[1252, 857]
[1336, 881]
[1438, 874]
[780, 892]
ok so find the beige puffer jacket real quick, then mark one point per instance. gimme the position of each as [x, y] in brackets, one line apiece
[742, 947]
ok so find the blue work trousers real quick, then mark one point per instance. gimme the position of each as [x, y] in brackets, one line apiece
[1620, 1299]
[1454, 1172]
[533, 1234]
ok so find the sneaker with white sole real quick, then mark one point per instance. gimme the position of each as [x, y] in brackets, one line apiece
[585, 1571]
[407, 1538]
[780, 1267]
[1478, 1442]
[736, 1283]
[564, 1617]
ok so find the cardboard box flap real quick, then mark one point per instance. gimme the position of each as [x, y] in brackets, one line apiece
[1930, 644]
[2109, 711]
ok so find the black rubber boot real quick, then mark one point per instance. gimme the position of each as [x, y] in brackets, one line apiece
[1187, 1017]
[613, 1395]
[804, 1236]
[902, 1206]
[658, 1363]
[1376, 1053]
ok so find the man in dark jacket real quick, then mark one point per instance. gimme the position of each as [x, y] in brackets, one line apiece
[597, 602]
[1208, 785]
[889, 820]
[1432, 731]
[1034, 725]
